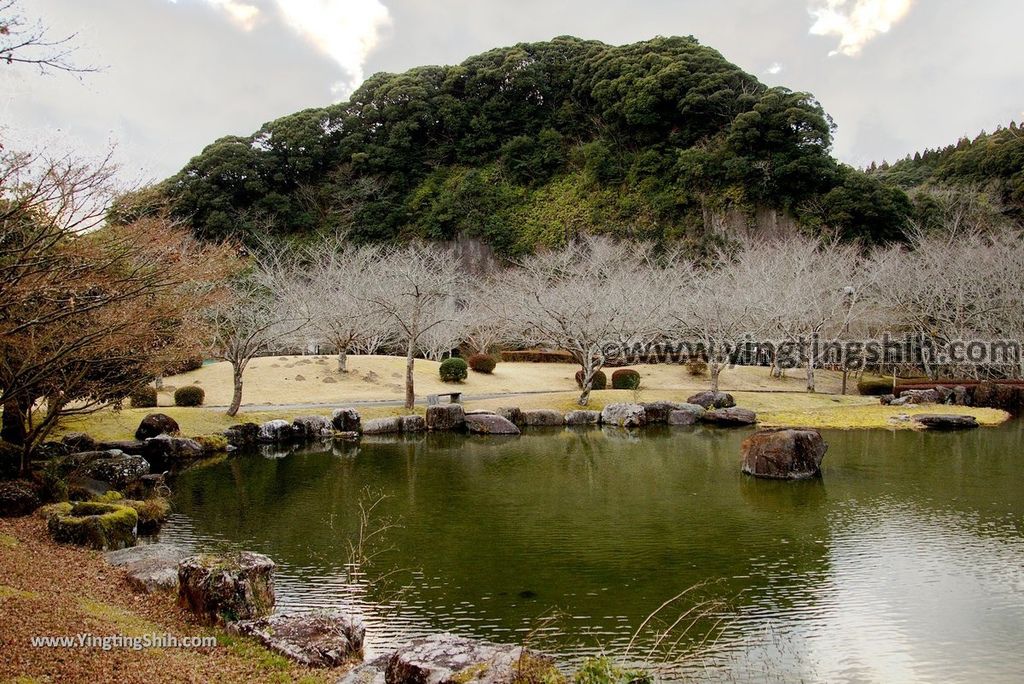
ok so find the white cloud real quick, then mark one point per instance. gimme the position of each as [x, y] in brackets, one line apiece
[773, 69]
[856, 22]
[344, 30]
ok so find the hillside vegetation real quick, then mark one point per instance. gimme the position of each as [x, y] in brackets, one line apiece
[531, 145]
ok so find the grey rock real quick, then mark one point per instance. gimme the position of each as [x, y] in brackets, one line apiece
[309, 428]
[657, 412]
[243, 435]
[961, 396]
[372, 672]
[127, 446]
[490, 424]
[413, 424]
[709, 400]
[151, 568]
[317, 639]
[730, 417]
[624, 415]
[446, 417]
[448, 659]
[275, 432]
[542, 418]
[511, 413]
[119, 471]
[226, 588]
[166, 450]
[784, 454]
[382, 426]
[156, 424]
[79, 441]
[912, 397]
[682, 418]
[346, 420]
[583, 418]
[946, 421]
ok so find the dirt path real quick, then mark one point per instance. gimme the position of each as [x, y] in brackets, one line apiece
[53, 590]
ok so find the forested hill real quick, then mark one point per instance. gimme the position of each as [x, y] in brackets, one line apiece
[992, 163]
[531, 144]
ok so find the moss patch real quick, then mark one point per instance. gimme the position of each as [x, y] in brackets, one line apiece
[127, 623]
[7, 592]
[7, 541]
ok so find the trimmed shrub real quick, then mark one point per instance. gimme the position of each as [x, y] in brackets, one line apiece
[453, 370]
[144, 397]
[189, 395]
[625, 379]
[482, 363]
[874, 387]
[536, 356]
[696, 366]
[599, 382]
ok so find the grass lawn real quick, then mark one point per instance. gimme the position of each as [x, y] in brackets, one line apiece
[274, 381]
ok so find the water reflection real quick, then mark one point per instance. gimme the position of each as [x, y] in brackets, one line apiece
[903, 563]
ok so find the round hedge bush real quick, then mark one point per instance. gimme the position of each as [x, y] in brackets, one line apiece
[144, 397]
[189, 395]
[599, 382]
[875, 387]
[482, 363]
[625, 379]
[453, 370]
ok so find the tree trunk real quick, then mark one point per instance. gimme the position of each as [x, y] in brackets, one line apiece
[716, 369]
[810, 376]
[236, 399]
[410, 390]
[343, 360]
[588, 385]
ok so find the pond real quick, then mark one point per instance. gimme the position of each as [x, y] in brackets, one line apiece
[904, 563]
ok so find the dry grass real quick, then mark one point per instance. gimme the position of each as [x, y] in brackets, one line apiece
[276, 380]
[55, 590]
[272, 381]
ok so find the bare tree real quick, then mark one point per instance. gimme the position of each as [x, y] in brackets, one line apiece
[585, 298]
[27, 42]
[414, 288]
[333, 289]
[256, 317]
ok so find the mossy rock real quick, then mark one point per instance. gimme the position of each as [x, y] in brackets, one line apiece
[152, 513]
[220, 589]
[103, 526]
[212, 444]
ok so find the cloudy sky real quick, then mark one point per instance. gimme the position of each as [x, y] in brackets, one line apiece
[896, 75]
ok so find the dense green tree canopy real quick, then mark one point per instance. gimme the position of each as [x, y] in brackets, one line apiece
[530, 145]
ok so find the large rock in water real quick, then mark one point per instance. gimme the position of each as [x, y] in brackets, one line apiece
[413, 423]
[934, 421]
[484, 424]
[542, 418]
[346, 420]
[275, 432]
[226, 588]
[243, 435]
[730, 417]
[383, 426]
[119, 471]
[448, 659]
[511, 413]
[446, 417]
[657, 412]
[318, 639]
[309, 428]
[624, 415]
[165, 450]
[156, 424]
[784, 454]
[151, 568]
[709, 400]
[685, 414]
[583, 418]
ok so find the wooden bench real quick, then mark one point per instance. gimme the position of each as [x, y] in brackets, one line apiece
[435, 399]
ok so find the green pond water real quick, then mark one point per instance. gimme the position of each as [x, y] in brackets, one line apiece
[904, 563]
